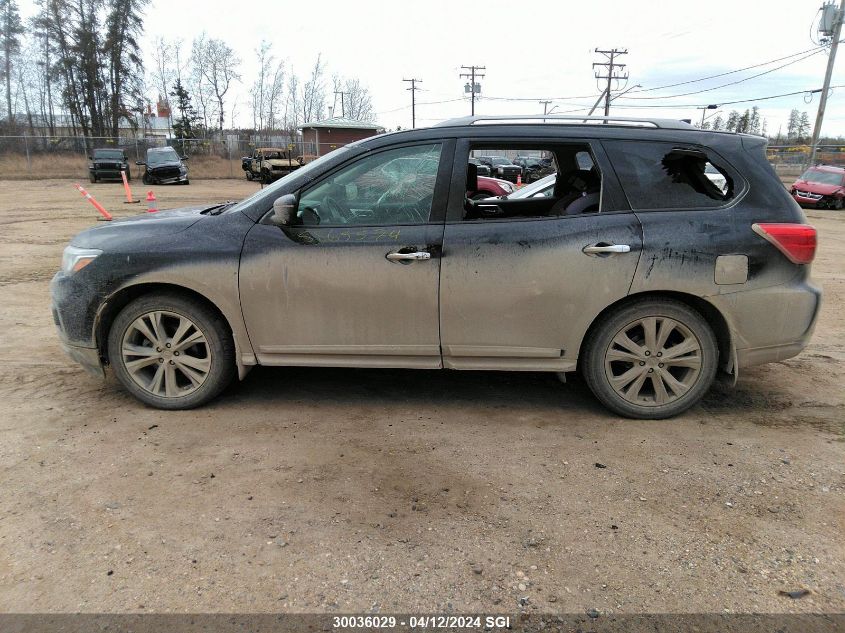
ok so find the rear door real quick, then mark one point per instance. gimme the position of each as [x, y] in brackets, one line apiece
[519, 292]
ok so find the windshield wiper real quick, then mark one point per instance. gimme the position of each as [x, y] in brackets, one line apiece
[217, 209]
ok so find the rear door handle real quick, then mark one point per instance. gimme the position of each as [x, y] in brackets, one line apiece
[415, 256]
[602, 248]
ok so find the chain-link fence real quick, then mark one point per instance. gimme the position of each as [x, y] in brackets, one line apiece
[790, 160]
[37, 156]
[44, 156]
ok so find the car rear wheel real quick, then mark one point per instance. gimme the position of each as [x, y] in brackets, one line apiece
[651, 359]
[171, 352]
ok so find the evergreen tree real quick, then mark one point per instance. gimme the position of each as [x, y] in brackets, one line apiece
[744, 122]
[792, 125]
[11, 30]
[733, 119]
[186, 125]
[718, 123]
[803, 129]
[754, 121]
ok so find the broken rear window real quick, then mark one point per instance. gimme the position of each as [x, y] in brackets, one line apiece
[666, 176]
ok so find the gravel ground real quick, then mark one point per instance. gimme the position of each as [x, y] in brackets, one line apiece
[323, 490]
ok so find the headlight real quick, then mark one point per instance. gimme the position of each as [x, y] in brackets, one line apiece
[507, 187]
[75, 259]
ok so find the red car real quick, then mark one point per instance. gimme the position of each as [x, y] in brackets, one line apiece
[822, 186]
[490, 188]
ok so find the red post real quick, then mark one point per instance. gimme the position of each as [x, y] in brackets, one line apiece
[127, 189]
[96, 204]
[152, 207]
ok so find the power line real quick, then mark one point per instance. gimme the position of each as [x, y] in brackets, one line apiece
[682, 83]
[732, 83]
[413, 90]
[730, 72]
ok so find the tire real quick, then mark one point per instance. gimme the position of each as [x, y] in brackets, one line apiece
[128, 176]
[92, 177]
[207, 341]
[685, 373]
[146, 179]
[249, 175]
[186, 182]
[267, 177]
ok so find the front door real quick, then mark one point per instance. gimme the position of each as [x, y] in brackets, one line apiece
[523, 278]
[355, 281]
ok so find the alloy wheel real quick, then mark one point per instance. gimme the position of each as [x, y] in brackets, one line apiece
[653, 361]
[166, 354]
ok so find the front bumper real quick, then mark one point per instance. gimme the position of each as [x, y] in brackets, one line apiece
[805, 201]
[74, 311]
[107, 173]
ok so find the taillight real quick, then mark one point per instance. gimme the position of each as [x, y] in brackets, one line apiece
[796, 241]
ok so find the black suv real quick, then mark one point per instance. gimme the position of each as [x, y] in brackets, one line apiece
[643, 270]
[107, 163]
[164, 166]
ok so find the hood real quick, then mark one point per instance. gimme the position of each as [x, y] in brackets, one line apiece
[816, 187]
[148, 225]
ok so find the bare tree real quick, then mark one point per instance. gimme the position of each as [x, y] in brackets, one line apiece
[218, 66]
[312, 104]
[359, 102]
[259, 90]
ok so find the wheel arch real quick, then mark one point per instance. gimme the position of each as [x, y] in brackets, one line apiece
[714, 317]
[112, 306]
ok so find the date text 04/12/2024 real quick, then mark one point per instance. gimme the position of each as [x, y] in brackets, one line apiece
[468, 622]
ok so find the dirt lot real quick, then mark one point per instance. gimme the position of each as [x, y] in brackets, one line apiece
[351, 490]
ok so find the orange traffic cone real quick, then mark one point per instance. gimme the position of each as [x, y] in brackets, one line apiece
[152, 207]
[518, 181]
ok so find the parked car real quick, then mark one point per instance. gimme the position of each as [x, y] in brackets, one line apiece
[481, 168]
[542, 188]
[490, 188]
[822, 186]
[533, 168]
[164, 166]
[501, 167]
[107, 163]
[346, 263]
[269, 163]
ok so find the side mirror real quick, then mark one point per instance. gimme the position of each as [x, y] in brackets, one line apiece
[185, 157]
[140, 162]
[284, 210]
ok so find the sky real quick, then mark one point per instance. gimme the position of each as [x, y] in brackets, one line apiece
[532, 51]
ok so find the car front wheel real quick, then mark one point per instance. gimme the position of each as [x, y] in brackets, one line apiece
[171, 352]
[651, 359]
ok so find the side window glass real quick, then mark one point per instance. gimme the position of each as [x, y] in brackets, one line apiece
[532, 182]
[665, 176]
[391, 187]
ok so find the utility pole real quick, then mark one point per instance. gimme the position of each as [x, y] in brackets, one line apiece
[342, 108]
[834, 44]
[611, 65]
[545, 106]
[413, 89]
[473, 87]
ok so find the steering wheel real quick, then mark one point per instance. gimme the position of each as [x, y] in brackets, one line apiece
[334, 208]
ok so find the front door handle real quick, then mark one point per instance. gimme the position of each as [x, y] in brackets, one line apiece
[415, 256]
[604, 248]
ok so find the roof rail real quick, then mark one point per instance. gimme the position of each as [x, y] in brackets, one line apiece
[567, 119]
